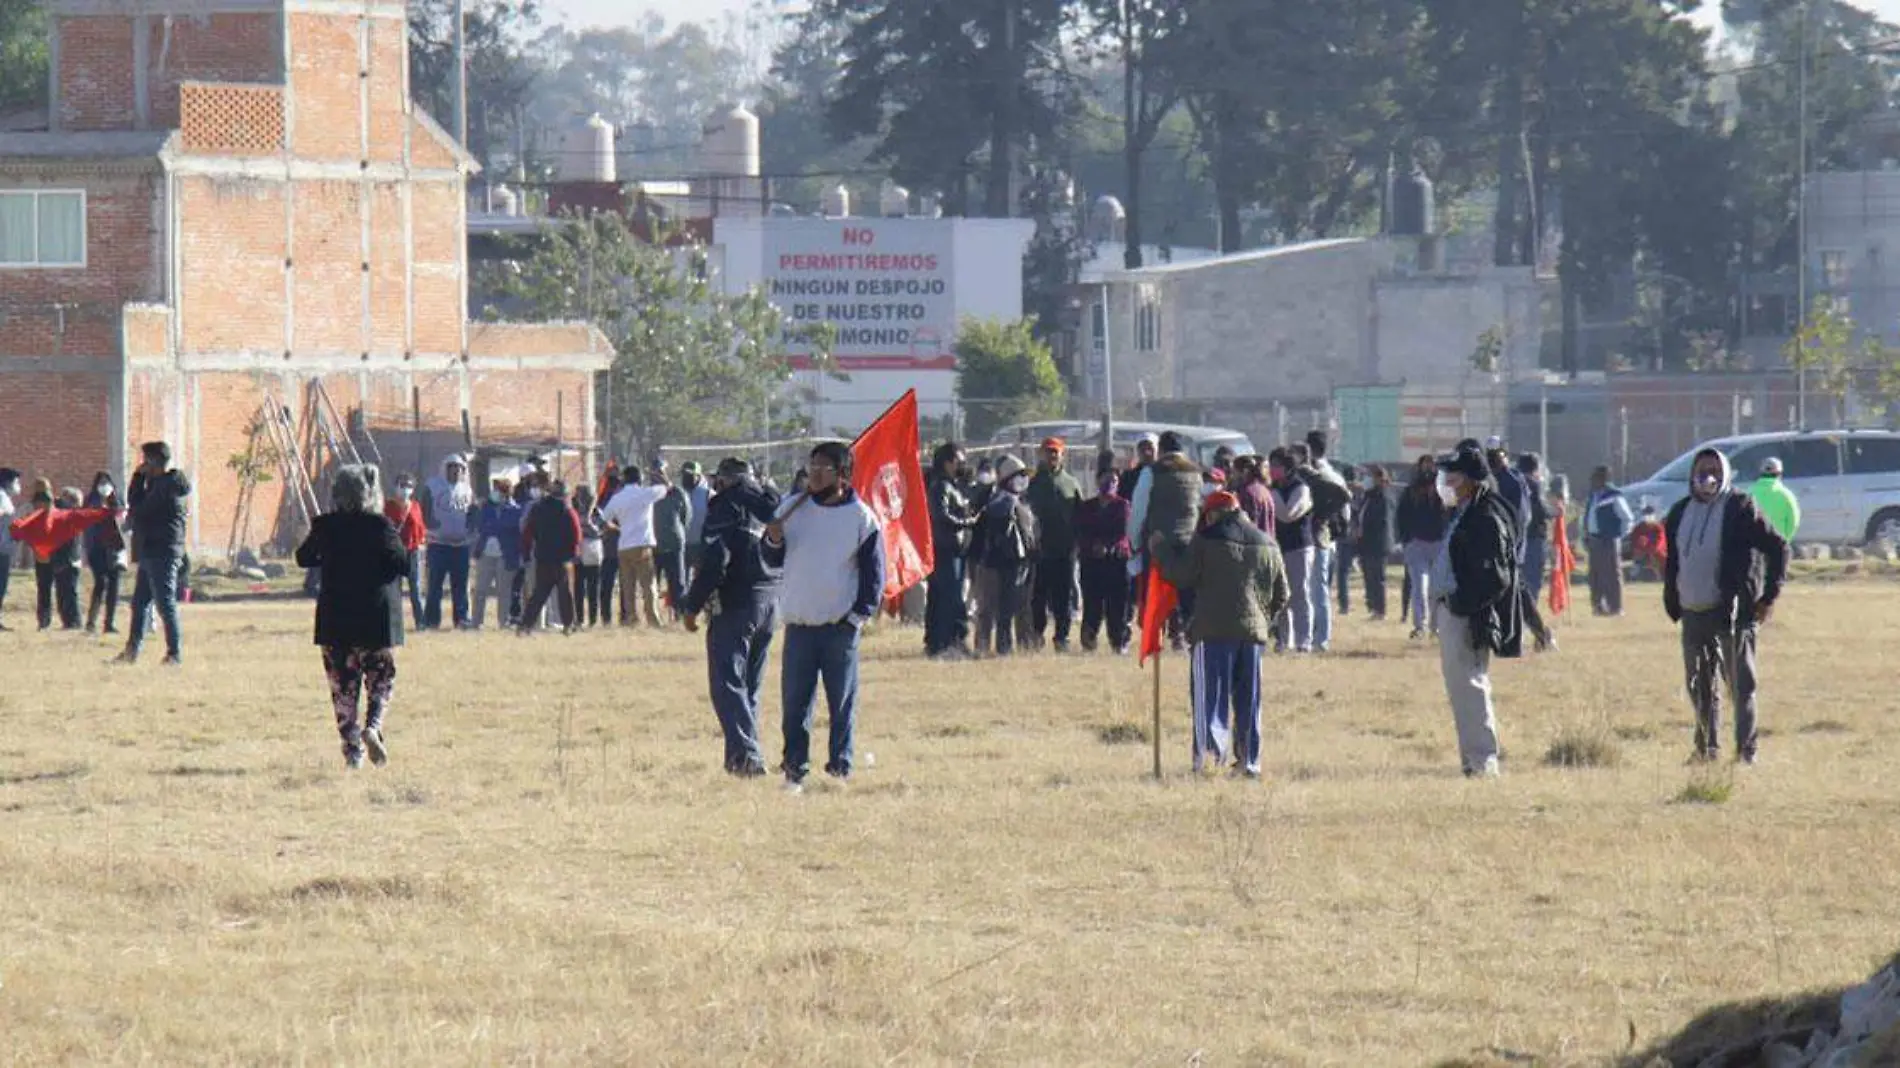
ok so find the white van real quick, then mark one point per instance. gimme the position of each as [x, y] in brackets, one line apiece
[1848, 481]
[1201, 441]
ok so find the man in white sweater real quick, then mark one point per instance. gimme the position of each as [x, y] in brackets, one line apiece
[831, 548]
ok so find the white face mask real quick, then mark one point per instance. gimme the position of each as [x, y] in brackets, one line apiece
[105, 491]
[1446, 493]
[1018, 483]
[405, 492]
[534, 494]
[985, 478]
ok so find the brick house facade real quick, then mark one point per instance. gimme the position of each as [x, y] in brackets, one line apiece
[260, 207]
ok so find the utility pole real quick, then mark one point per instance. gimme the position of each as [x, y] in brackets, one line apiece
[460, 50]
[1801, 233]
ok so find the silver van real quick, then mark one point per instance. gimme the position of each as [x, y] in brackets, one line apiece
[1847, 481]
[1201, 441]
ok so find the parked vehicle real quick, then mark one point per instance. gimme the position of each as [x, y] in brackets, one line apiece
[1848, 481]
[1202, 441]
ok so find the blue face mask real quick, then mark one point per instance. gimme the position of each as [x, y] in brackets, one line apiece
[496, 496]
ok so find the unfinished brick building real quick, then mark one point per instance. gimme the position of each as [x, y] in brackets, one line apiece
[234, 199]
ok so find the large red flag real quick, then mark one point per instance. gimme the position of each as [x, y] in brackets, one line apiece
[1157, 604]
[47, 529]
[887, 476]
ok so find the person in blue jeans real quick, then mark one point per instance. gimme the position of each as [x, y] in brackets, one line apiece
[156, 499]
[831, 549]
[448, 513]
[734, 584]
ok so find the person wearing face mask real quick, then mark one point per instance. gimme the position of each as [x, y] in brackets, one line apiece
[497, 553]
[1475, 603]
[405, 515]
[1101, 540]
[105, 557]
[159, 515]
[1725, 567]
[1420, 520]
[831, 549]
[1006, 547]
[1293, 529]
[450, 513]
[551, 540]
[629, 514]
[1053, 495]
[672, 519]
[946, 613]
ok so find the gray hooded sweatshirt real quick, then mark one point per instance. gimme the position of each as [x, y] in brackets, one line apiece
[1699, 548]
[449, 504]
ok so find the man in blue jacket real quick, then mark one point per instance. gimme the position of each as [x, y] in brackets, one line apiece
[739, 590]
[832, 550]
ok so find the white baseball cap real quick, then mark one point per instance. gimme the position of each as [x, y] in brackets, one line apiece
[1771, 466]
[1493, 443]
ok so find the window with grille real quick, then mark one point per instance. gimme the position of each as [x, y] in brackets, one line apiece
[42, 228]
[1148, 326]
[1833, 268]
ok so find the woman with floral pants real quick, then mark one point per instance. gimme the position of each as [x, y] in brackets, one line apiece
[359, 607]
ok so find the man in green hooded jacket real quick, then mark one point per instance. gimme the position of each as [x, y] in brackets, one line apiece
[1776, 500]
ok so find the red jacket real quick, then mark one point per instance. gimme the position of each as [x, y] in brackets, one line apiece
[406, 517]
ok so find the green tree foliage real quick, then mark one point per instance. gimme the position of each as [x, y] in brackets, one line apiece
[22, 53]
[795, 133]
[1825, 350]
[1004, 376]
[946, 91]
[501, 73]
[691, 363]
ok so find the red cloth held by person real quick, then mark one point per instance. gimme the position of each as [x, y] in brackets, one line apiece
[46, 529]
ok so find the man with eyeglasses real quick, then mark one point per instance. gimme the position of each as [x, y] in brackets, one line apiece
[831, 549]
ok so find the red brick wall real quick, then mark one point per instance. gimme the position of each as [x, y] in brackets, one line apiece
[121, 265]
[242, 48]
[53, 425]
[440, 294]
[232, 277]
[326, 91]
[388, 51]
[95, 73]
[388, 270]
[327, 248]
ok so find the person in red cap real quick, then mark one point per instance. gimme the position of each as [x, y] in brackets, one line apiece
[1053, 497]
[1240, 586]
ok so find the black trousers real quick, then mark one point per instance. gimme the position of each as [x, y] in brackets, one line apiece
[1105, 601]
[587, 594]
[1054, 597]
[105, 593]
[58, 582]
[1344, 553]
[946, 613]
[1372, 570]
[549, 579]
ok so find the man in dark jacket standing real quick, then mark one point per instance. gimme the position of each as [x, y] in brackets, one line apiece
[739, 588]
[1474, 594]
[1722, 575]
[1607, 520]
[551, 538]
[1372, 523]
[946, 613]
[156, 498]
[1241, 587]
[672, 519]
[1101, 543]
[1053, 496]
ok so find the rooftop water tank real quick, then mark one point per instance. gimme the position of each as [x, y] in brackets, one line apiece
[837, 202]
[1413, 209]
[729, 147]
[894, 201]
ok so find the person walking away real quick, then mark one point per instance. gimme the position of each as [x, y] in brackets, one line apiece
[738, 590]
[449, 514]
[699, 496]
[587, 565]
[1007, 542]
[1242, 588]
[1293, 529]
[1725, 570]
[1372, 529]
[1101, 545]
[551, 540]
[1649, 546]
[672, 518]
[1776, 501]
[832, 552]
[1606, 522]
[52, 529]
[1474, 599]
[156, 499]
[497, 554]
[405, 515]
[104, 546]
[1053, 496]
[630, 512]
[359, 608]
[1346, 539]
[1331, 509]
[1422, 516]
[946, 613]
[609, 542]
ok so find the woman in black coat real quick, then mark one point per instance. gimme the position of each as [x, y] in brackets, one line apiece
[359, 606]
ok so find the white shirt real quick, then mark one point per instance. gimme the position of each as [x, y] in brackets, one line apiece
[631, 509]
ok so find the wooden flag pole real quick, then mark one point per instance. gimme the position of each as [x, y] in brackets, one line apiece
[1157, 724]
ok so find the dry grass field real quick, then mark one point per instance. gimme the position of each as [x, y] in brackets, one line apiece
[553, 870]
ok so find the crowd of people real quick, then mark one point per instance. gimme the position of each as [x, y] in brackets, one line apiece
[1256, 551]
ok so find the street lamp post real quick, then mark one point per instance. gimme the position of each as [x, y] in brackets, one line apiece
[1801, 232]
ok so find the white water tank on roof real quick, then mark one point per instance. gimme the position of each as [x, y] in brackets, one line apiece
[837, 202]
[894, 201]
[730, 146]
[1107, 219]
[506, 202]
[587, 152]
[930, 206]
